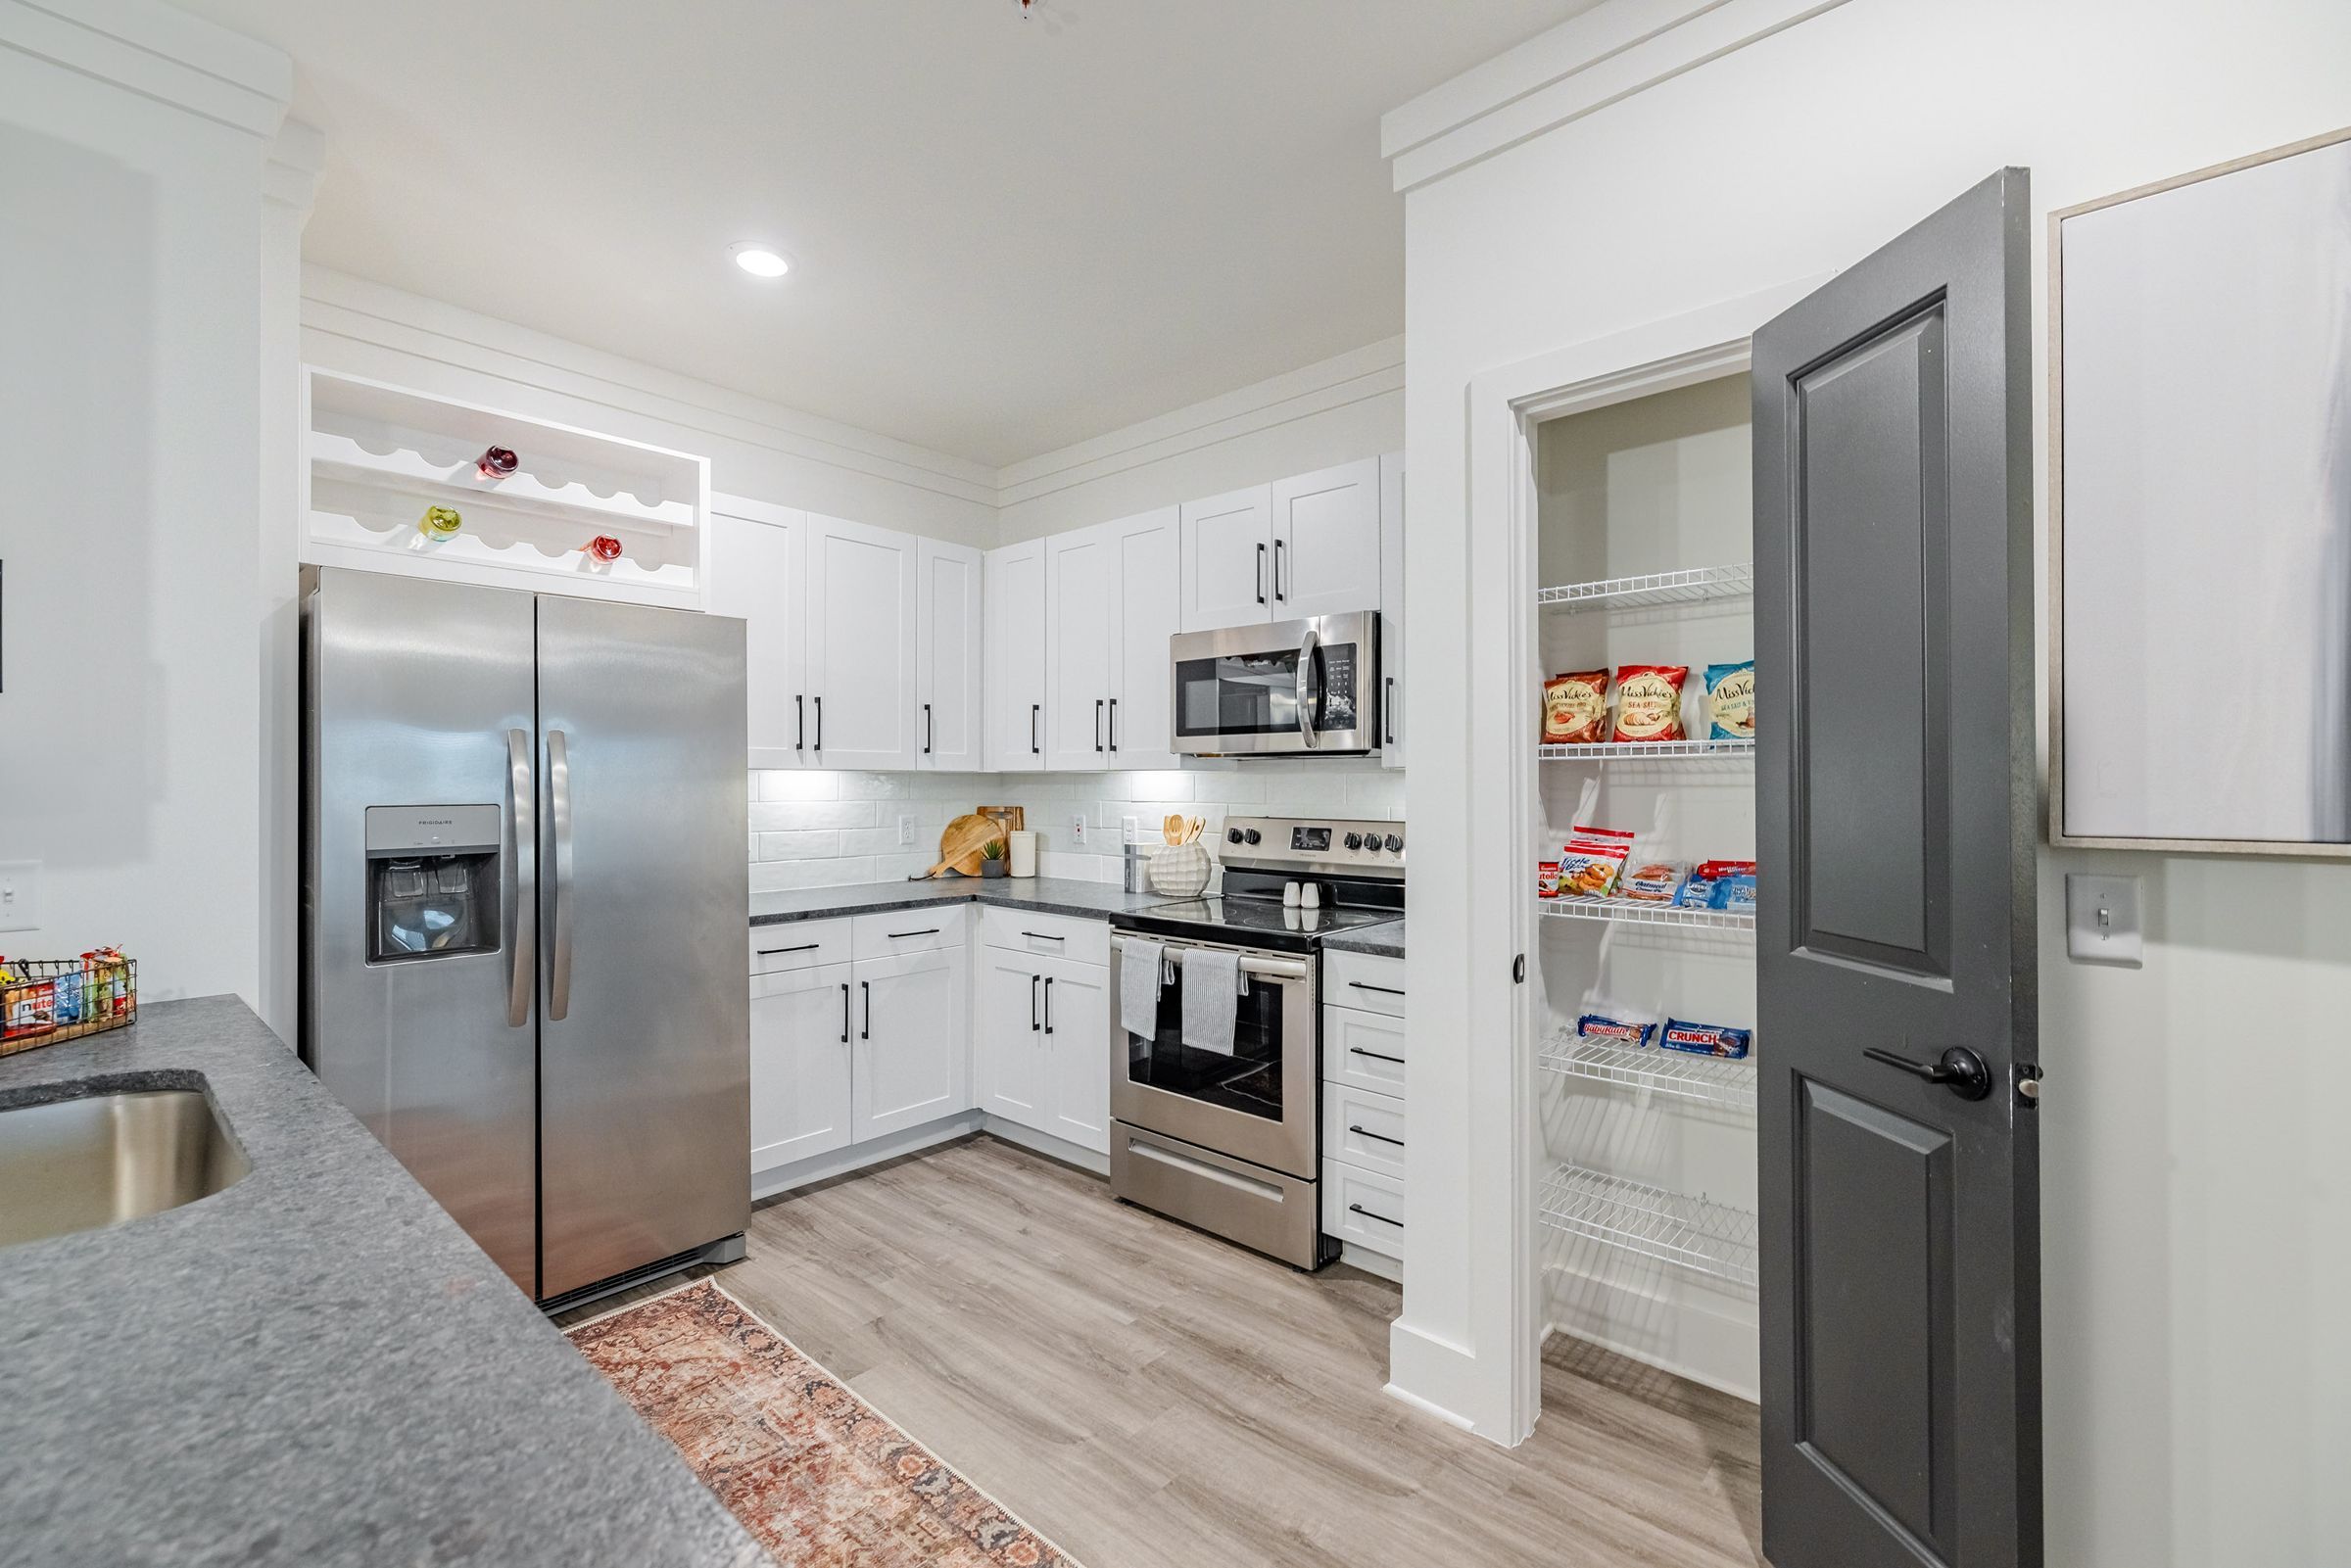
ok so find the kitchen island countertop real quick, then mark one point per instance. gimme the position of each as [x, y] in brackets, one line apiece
[313, 1366]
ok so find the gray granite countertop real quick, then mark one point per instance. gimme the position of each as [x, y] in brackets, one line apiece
[1050, 895]
[313, 1366]
[1386, 940]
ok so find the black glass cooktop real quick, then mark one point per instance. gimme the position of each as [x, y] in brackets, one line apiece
[1261, 922]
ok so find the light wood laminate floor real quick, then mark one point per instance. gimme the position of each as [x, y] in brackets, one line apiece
[1152, 1398]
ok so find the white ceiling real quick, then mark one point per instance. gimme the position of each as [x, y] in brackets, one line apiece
[1012, 234]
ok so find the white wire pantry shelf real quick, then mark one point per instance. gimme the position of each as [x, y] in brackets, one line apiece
[1710, 1080]
[1696, 1233]
[1687, 587]
[1650, 751]
[1641, 912]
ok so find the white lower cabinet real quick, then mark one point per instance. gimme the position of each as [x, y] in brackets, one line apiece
[1042, 1051]
[1363, 1102]
[802, 1055]
[913, 1059]
[1363, 1208]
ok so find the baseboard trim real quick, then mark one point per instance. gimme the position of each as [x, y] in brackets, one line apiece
[858, 1156]
[1461, 1422]
[1378, 1264]
[1689, 1374]
[1044, 1142]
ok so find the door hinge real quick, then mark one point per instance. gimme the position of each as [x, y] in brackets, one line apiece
[2028, 1083]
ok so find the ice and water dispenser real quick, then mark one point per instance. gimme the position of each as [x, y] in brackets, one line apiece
[432, 881]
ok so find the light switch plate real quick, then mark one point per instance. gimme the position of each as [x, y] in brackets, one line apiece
[1134, 833]
[2103, 920]
[19, 896]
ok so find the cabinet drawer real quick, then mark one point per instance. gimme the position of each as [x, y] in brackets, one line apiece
[1363, 1050]
[1365, 1130]
[1083, 941]
[1364, 979]
[919, 929]
[1364, 1208]
[804, 944]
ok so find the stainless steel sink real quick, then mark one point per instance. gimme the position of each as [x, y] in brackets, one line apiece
[100, 1159]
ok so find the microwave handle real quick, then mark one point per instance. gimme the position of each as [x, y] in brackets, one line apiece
[1305, 680]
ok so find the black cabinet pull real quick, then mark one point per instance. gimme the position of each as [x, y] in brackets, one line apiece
[1279, 597]
[1113, 724]
[1359, 1209]
[1034, 709]
[1387, 710]
[1043, 937]
[820, 724]
[1261, 574]
[1377, 1056]
[1097, 723]
[865, 1031]
[800, 715]
[1048, 1004]
[844, 1012]
[1384, 991]
[925, 729]
[804, 947]
[928, 930]
[1033, 1023]
[1367, 1132]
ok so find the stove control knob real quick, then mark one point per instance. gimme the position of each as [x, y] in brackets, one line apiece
[1232, 836]
[1395, 843]
[1355, 840]
[1251, 837]
[1370, 838]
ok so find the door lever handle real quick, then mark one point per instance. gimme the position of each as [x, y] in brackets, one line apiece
[1959, 1070]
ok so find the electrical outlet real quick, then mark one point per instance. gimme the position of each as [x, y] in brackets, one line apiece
[1078, 830]
[905, 828]
[19, 896]
[1133, 829]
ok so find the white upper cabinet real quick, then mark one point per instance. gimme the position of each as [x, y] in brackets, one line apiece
[862, 646]
[1326, 552]
[1228, 560]
[1144, 553]
[948, 656]
[1015, 626]
[1392, 700]
[758, 565]
[1080, 593]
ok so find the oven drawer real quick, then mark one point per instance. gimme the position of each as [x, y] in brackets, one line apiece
[1082, 941]
[802, 944]
[1363, 1050]
[1260, 1209]
[1363, 1130]
[920, 930]
[1363, 1208]
[1367, 981]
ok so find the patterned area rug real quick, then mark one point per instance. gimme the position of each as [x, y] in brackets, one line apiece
[813, 1471]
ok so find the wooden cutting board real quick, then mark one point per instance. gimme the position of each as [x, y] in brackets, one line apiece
[959, 846]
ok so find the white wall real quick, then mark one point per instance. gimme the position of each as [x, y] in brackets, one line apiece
[1340, 410]
[2197, 1386]
[130, 395]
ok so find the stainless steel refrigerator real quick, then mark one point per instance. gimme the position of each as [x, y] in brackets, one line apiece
[523, 892]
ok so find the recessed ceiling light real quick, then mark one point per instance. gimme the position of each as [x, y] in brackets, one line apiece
[761, 262]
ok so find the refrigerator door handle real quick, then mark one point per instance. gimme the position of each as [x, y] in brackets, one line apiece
[558, 811]
[522, 892]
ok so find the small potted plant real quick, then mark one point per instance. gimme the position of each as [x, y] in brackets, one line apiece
[991, 859]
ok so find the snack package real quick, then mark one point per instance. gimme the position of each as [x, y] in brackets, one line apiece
[1707, 876]
[1649, 701]
[1731, 700]
[1735, 892]
[1575, 708]
[1546, 879]
[1705, 1039]
[1654, 883]
[1617, 1031]
[1593, 861]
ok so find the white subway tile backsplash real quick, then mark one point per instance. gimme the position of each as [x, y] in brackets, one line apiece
[780, 784]
[787, 816]
[823, 844]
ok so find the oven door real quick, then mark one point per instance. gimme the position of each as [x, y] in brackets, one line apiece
[1257, 1104]
[1300, 687]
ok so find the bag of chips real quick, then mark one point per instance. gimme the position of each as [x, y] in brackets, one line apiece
[1649, 701]
[1575, 708]
[1731, 700]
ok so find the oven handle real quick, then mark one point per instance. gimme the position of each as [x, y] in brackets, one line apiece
[1306, 679]
[1280, 968]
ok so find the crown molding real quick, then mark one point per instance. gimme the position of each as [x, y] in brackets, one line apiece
[339, 305]
[1585, 64]
[297, 159]
[157, 52]
[1375, 370]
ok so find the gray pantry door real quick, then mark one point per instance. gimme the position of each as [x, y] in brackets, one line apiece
[1901, 1184]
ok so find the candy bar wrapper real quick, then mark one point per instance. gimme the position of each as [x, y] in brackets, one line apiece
[1706, 1039]
[1613, 1030]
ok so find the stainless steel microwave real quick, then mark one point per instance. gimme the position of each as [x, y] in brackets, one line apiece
[1303, 687]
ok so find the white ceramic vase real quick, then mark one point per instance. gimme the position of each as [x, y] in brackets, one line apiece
[1181, 870]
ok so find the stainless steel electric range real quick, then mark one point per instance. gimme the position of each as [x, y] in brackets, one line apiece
[1230, 1141]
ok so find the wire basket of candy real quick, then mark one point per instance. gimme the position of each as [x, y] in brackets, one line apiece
[45, 1000]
